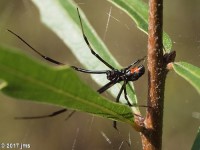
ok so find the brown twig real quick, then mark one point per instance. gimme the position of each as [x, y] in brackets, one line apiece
[158, 65]
[157, 71]
[152, 135]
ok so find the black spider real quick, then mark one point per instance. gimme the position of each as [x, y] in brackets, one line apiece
[130, 73]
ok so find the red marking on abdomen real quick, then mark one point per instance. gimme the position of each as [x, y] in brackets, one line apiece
[133, 70]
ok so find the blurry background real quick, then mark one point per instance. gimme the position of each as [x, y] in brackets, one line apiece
[126, 43]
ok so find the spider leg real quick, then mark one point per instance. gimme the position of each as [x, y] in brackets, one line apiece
[123, 88]
[44, 116]
[90, 47]
[89, 71]
[132, 105]
[117, 100]
[115, 125]
[107, 86]
[135, 62]
[138, 116]
[125, 95]
[43, 56]
[120, 92]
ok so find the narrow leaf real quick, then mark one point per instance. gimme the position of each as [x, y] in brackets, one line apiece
[62, 18]
[196, 145]
[188, 72]
[138, 11]
[25, 79]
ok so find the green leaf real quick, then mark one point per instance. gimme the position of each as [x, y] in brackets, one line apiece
[138, 11]
[196, 145]
[188, 72]
[64, 22]
[25, 79]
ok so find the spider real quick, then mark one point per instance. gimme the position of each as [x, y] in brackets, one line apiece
[130, 73]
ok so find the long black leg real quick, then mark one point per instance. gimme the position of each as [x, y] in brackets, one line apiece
[135, 62]
[107, 86]
[45, 57]
[44, 116]
[125, 94]
[120, 92]
[117, 100]
[132, 105]
[123, 88]
[115, 125]
[89, 71]
[88, 44]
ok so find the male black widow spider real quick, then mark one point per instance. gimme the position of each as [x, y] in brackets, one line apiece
[130, 73]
